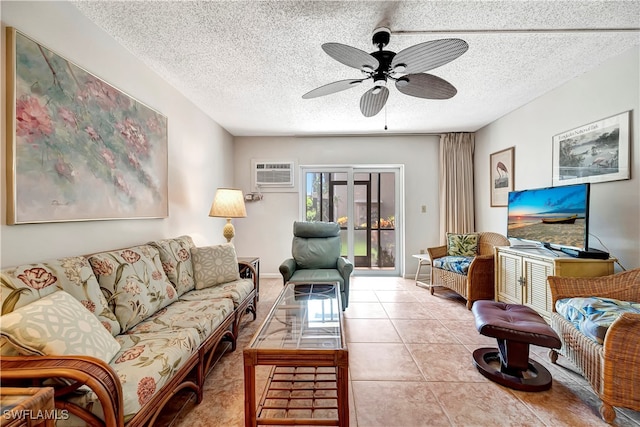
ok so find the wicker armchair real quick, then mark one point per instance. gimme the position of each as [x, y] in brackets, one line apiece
[612, 369]
[478, 284]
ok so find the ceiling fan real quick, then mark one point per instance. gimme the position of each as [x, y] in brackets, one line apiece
[406, 68]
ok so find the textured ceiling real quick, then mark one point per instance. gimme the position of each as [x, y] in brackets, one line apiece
[248, 63]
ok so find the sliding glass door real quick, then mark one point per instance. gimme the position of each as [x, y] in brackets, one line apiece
[365, 202]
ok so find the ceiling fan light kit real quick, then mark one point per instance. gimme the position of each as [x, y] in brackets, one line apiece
[384, 65]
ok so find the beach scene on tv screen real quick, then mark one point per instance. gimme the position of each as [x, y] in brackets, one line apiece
[552, 215]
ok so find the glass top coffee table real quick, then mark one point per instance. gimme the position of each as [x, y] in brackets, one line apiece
[303, 340]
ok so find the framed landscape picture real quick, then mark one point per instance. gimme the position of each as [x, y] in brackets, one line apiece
[596, 152]
[78, 148]
[502, 173]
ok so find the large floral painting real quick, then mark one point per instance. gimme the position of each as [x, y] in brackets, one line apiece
[78, 148]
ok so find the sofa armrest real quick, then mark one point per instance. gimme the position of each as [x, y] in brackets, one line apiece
[287, 268]
[248, 266]
[480, 279]
[437, 252]
[620, 360]
[345, 267]
[481, 264]
[80, 370]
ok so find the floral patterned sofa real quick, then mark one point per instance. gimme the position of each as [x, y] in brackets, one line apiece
[118, 333]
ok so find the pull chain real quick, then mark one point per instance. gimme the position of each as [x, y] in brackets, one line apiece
[385, 117]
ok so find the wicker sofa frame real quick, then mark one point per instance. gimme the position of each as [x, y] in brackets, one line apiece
[478, 284]
[84, 371]
[612, 369]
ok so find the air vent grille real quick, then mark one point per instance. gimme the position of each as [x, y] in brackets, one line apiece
[273, 174]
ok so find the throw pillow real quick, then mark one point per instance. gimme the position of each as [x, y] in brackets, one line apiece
[27, 283]
[214, 265]
[175, 255]
[133, 282]
[462, 244]
[58, 325]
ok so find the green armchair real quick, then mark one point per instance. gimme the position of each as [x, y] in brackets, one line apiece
[316, 257]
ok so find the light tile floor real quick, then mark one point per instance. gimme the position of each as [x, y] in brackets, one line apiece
[410, 365]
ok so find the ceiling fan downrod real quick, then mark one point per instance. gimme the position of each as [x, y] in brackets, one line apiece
[380, 39]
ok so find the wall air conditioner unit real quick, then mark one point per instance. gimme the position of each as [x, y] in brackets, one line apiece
[273, 174]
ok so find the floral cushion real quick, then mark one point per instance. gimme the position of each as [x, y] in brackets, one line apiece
[214, 265]
[57, 325]
[593, 315]
[237, 290]
[203, 316]
[462, 244]
[175, 255]
[24, 284]
[456, 264]
[133, 282]
[144, 364]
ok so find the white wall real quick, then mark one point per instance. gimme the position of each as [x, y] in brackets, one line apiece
[200, 151]
[268, 229]
[609, 89]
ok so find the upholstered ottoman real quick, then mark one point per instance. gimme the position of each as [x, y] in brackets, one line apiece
[515, 327]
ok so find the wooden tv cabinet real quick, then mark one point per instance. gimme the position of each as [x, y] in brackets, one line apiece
[521, 274]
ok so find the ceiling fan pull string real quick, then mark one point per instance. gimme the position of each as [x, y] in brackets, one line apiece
[385, 117]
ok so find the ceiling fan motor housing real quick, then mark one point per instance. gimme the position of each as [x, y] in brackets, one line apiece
[381, 37]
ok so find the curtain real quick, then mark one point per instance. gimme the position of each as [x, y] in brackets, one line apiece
[456, 184]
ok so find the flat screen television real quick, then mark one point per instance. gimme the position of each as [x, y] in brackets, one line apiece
[556, 216]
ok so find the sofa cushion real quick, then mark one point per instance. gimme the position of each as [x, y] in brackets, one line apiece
[57, 325]
[456, 264]
[462, 244]
[237, 291]
[24, 284]
[214, 265]
[203, 316]
[593, 315]
[318, 276]
[134, 283]
[175, 255]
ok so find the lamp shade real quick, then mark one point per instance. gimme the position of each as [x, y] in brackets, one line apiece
[228, 203]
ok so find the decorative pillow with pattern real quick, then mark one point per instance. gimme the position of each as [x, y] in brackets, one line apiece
[175, 255]
[462, 244]
[593, 315]
[133, 282]
[214, 265]
[57, 325]
[26, 283]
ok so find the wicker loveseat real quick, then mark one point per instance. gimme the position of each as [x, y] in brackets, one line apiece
[612, 368]
[118, 333]
[478, 282]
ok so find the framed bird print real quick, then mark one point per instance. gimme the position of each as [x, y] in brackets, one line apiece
[595, 152]
[502, 174]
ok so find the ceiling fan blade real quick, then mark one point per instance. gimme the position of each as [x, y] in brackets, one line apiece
[330, 88]
[371, 103]
[429, 55]
[351, 56]
[427, 86]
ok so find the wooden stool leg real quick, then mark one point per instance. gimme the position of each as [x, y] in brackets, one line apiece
[514, 356]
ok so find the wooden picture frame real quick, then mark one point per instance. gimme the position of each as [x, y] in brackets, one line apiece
[596, 152]
[502, 176]
[78, 149]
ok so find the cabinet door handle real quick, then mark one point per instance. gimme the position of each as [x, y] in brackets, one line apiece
[521, 281]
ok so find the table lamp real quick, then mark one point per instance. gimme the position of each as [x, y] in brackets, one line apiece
[228, 203]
